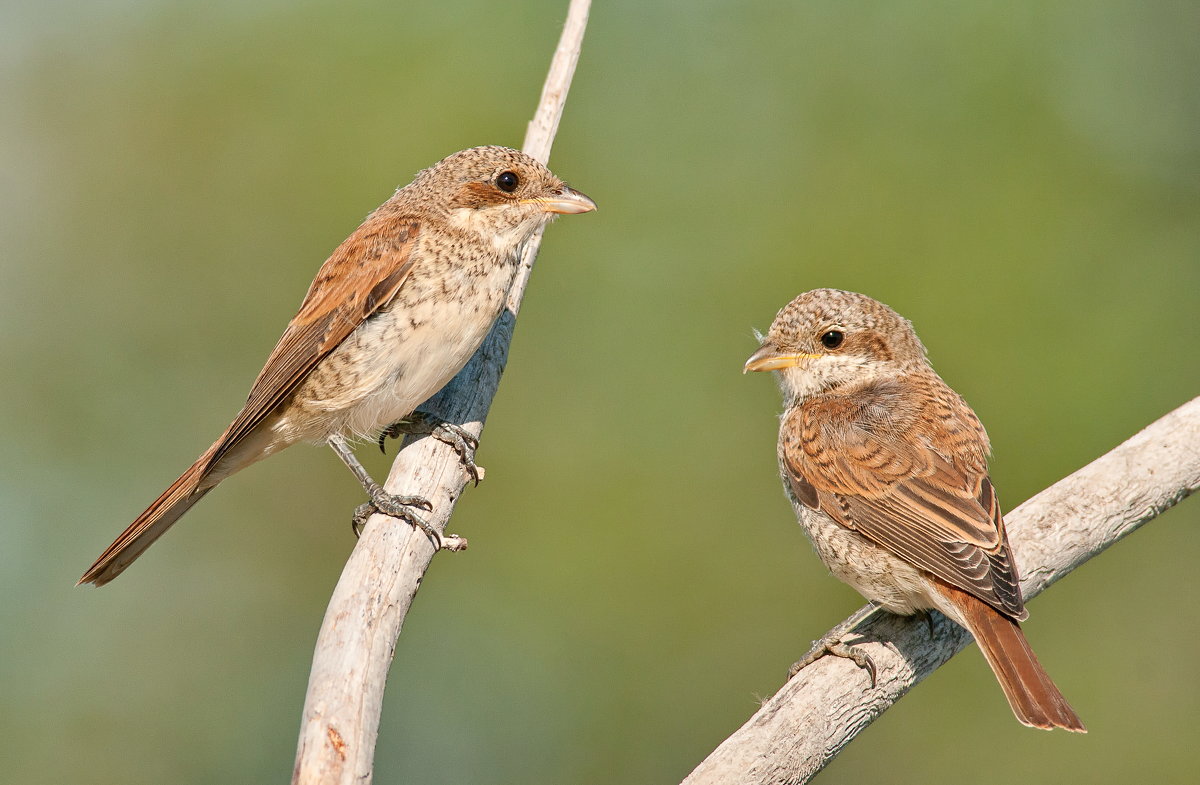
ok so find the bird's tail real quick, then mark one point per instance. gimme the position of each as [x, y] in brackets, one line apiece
[1033, 697]
[152, 523]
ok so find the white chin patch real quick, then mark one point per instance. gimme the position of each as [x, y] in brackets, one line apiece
[482, 221]
[827, 372]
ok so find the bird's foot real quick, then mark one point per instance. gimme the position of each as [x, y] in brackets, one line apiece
[389, 504]
[395, 506]
[833, 644]
[456, 436]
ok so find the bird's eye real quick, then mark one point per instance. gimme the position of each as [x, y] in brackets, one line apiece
[507, 181]
[832, 339]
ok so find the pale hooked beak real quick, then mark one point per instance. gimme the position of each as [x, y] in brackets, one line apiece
[567, 201]
[768, 358]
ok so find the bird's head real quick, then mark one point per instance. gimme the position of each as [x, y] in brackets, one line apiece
[498, 191]
[826, 338]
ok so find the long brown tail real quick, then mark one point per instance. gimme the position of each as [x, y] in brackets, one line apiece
[1030, 692]
[151, 524]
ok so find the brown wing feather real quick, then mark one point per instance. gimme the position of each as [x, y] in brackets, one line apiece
[905, 465]
[363, 274]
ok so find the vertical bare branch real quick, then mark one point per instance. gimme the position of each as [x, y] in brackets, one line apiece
[358, 637]
[807, 723]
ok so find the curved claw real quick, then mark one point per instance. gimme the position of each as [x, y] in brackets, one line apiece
[861, 659]
[928, 621]
[393, 431]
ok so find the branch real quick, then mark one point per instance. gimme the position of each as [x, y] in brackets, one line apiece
[358, 637]
[804, 726]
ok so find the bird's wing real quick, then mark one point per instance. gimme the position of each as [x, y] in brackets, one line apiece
[905, 465]
[362, 275]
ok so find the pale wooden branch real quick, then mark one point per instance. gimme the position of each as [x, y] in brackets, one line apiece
[358, 637]
[804, 726]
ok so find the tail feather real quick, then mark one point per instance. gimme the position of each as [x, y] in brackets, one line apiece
[1034, 698]
[151, 524]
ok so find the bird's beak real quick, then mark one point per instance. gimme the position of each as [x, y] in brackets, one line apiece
[567, 201]
[768, 358]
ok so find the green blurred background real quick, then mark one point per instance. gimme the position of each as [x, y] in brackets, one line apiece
[1022, 180]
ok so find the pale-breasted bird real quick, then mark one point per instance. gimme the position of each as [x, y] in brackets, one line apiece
[392, 315]
[886, 467]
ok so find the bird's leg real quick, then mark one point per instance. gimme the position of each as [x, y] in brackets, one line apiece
[832, 643]
[382, 501]
[454, 435]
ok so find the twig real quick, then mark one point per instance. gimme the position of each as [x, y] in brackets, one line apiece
[358, 637]
[806, 724]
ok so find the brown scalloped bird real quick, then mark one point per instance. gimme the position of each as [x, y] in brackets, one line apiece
[886, 467]
[391, 316]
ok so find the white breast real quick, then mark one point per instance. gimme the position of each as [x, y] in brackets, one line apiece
[399, 358]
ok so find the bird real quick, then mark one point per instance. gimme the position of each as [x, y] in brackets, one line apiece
[886, 467]
[392, 315]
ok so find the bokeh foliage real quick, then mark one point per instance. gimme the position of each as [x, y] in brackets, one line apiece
[1020, 179]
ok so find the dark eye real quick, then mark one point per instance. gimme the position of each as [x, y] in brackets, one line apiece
[507, 181]
[832, 339]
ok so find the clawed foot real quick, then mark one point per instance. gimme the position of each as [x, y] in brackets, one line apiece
[454, 435]
[833, 644]
[389, 504]
[401, 507]
[395, 506]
